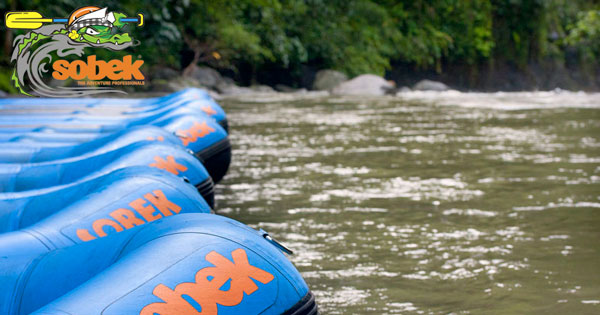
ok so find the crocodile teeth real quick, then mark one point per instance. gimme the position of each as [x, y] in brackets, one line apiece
[81, 38]
[98, 41]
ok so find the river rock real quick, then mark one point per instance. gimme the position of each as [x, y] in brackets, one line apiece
[328, 79]
[304, 91]
[175, 84]
[165, 73]
[428, 85]
[233, 89]
[284, 88]
[262, 88]
[366, 84]
[206, 76]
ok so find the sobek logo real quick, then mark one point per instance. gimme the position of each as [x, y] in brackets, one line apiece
[207, 289]
[86, 27]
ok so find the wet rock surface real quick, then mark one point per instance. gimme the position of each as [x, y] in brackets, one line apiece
[328, 79]
[428, 85]
[366, 84]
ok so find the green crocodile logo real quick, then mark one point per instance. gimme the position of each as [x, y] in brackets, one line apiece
[34, 51]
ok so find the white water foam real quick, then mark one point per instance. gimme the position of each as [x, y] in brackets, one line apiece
[508, 100]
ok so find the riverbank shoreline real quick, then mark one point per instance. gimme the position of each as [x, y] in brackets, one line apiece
[500, 77]
[164, 80]
[449, 97]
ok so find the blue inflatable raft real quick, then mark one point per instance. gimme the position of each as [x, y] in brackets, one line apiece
[106, 208]
[202, 135]
[93, 209]
[184, 264]
[40, 151]
[124, 196]
[169, 158]
[191, 97]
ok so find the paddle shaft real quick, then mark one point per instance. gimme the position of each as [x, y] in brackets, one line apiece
[33, 20]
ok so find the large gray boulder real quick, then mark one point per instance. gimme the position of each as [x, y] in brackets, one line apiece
[328, 79]
[232, 89]
[366, 84]
[428, 85]
[176, 84]
[165, 73]
[205, 76]
[262, 88]
[285, 89]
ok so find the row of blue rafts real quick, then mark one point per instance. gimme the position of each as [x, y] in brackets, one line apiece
[106, 208]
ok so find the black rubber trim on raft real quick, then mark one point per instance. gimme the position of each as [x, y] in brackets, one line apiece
[225, 124]
[216, 159]
[207, 190]
[306, 306]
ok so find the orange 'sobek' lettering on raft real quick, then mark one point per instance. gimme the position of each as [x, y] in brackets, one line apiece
[208, 110]
[122, 218]
[196, 131]
[207, 293]
[168, 165]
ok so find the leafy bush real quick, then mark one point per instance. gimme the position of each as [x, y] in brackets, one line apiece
[354, 36]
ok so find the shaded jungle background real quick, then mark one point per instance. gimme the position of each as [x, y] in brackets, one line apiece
[467, 44]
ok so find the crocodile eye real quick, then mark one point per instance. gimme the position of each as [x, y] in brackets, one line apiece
[91, 31]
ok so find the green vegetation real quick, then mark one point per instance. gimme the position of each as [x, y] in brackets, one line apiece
[354, 36]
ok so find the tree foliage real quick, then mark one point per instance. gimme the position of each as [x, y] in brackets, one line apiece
[354, 36]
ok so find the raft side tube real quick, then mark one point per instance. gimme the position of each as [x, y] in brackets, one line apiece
[21, 210]
[185, 94]
[150, 268]
[170, 158]
[32, 152]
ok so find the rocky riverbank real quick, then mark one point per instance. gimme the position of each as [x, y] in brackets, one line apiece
[326, 82]
[161, 80]
[400, 79]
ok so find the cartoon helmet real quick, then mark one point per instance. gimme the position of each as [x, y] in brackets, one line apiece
[90, 15]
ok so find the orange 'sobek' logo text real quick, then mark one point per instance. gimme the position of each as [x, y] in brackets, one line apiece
[115, 69]
[123, 218]
[169, 165]
[197, 130]
[49, 40]
[206, 289]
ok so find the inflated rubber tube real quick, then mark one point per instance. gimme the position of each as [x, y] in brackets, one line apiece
[209, 142]
[224, 124]
[88, 124]
[13, 117]
[31, 152]
[39, 106]
[55, 113]
[129, 197]
[185, 94]
[216, 159]
[117, 108]
[181, 264]
[53, 134]
[167, 157]
[202, 135]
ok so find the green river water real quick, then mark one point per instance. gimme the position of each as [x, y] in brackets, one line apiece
[427, 203]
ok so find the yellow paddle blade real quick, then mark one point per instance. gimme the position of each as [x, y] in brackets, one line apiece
[25, 20]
